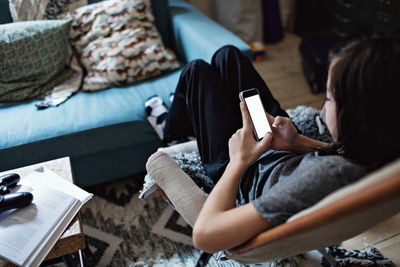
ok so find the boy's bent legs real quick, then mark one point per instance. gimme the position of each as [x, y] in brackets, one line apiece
[213, 110]
[238, 73]
[206, 104]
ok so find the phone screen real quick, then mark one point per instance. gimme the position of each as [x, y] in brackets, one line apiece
[258, 116]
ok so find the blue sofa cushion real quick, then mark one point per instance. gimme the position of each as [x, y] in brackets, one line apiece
[89, 123]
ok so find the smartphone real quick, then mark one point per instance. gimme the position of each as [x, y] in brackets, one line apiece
[259, 119]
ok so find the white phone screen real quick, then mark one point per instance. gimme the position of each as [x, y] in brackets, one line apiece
[258, 116]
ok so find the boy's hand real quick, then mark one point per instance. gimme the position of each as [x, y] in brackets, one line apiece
[285, 133]
[243, 148]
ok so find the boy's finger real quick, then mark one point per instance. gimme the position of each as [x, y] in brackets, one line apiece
[245, 116]
[270, 118]
[266, 141]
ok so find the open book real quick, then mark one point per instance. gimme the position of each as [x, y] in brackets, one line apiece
[28, 234]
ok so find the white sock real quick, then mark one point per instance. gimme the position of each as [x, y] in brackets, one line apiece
[156, 114]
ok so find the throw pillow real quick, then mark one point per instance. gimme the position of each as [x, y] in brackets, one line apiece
[32, 58]
[118, 43]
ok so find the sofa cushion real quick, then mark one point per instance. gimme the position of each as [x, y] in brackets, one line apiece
[89, 124]
[118, 43]
[162, 18]
[33, 57]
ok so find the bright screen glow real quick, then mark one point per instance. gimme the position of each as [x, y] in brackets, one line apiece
[257, 115]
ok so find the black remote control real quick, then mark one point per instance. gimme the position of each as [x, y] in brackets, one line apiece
[7, 181]
[15, 200]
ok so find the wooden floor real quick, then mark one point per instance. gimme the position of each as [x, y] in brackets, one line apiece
[281, 69]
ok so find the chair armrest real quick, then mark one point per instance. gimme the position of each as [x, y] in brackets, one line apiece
[185, 196]
[197, 36]
[337, 217]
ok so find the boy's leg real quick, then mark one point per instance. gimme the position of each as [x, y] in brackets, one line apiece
[204, 105]
[238, 73]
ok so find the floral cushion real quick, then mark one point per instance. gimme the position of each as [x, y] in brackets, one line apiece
[118, 43]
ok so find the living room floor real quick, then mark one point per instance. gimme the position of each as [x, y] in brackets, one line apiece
[281, 69]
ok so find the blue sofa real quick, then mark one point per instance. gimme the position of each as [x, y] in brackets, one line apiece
[105, 133]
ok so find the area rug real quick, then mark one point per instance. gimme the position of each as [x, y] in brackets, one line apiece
[122, 230]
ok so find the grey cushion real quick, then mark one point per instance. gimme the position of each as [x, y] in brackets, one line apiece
[33, 58]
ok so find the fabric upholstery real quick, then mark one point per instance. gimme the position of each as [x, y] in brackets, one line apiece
[118, 43]
[33, 58]
[162, 19]
[105, 133]
[182, 192]
[86, 126]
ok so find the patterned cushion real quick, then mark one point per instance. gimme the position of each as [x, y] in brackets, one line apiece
[118, 43]
[32, 58]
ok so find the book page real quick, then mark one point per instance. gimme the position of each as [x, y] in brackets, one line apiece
[23, 230]
[46, 177]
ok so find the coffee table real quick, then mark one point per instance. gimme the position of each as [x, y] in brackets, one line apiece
[72, 240]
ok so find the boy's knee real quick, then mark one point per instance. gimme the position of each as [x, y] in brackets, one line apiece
[228, 49]
[196, 65]
[226, 52]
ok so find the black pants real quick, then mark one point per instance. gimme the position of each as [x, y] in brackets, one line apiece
[206, 105]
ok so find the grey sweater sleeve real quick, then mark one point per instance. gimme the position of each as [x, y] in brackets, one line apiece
[304, 184]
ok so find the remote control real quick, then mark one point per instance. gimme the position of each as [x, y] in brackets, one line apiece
[7, 181]
[15, 200]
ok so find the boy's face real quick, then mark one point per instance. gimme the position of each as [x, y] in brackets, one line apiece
[331, 119]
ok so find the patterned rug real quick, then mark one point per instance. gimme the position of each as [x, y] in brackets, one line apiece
[122, 230]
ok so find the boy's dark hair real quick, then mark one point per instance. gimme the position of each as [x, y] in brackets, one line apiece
[365, 83]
